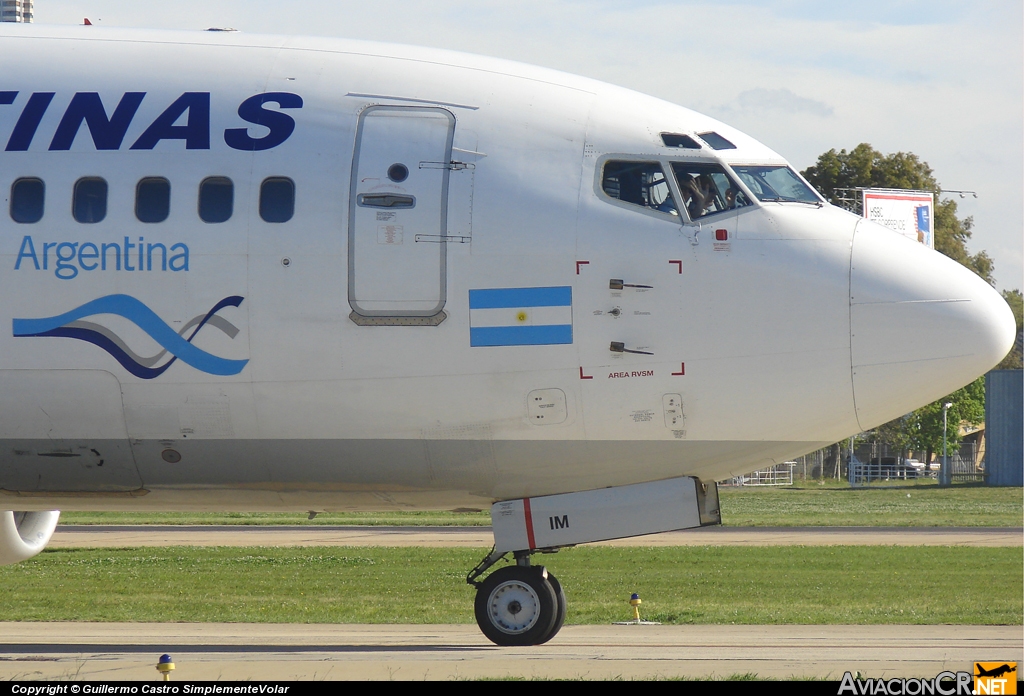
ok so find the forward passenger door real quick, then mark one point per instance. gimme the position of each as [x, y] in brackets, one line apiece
[398, 206]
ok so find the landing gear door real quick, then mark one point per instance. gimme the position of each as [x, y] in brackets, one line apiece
[398, 215]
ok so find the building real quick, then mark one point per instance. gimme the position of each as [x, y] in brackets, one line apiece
[1004, 420]
[15, 10]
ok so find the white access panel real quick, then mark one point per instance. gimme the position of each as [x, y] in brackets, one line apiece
[398, 211]
[608, 513]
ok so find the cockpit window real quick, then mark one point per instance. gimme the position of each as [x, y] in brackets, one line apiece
[716, 141]
[775, 183]
[679, 140]
[639, 183]
[706, 189]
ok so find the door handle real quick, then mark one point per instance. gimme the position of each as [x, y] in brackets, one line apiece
[385, 200]
[452, 166]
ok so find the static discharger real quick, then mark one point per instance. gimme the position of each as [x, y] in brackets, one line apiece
[165, 665]
[635, 601]
[619, 347]
[617, 284]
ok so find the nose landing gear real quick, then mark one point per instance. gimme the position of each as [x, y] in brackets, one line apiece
[524, 605]
[518, 605]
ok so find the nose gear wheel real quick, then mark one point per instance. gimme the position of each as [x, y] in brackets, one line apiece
[517, 605]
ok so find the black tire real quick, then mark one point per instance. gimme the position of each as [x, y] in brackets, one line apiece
[516, 606]
[559, 611]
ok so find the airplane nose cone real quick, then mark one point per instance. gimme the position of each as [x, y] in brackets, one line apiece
[921, 325]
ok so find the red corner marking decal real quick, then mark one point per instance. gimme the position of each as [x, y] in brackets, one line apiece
[678, 262]
[581, 263]
[583, 376]
[682, 370]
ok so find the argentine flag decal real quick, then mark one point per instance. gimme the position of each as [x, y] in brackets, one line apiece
[520, 316]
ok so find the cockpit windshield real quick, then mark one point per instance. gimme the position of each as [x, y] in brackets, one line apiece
[775, 183]
[706, 189]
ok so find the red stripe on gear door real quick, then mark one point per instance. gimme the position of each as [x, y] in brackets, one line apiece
[529, 523]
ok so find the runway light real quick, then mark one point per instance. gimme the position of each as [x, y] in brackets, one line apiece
[635, 602]
[164, 666]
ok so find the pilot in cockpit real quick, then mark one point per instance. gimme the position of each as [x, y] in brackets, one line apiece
[701, 192]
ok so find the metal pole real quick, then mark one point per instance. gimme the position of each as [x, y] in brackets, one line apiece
[944, 477]
[849, 462]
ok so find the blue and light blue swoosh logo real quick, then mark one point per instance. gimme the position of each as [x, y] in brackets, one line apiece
[71, 325]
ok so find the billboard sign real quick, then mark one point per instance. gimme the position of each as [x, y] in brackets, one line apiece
[909, 213]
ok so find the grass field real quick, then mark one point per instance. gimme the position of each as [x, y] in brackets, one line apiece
[812, 505]
[921, 505]
[746, 585]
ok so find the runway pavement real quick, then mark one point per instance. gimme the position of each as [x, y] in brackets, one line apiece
[91, 536]
[103, 651]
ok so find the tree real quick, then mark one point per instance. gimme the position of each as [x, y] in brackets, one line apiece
[864, 166]
[922, 431]
[925, 424]
[1014, 360]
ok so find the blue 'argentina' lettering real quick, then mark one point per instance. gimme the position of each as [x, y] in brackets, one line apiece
[68, 258]
[194, 107]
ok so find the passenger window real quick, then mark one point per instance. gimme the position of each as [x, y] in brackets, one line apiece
[216, 199]
[27, 197]
[706, 189]
[277, 199]
[153, 199]
[89, 204]
[639, 183]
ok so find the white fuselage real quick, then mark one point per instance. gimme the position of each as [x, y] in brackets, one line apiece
[354, 366]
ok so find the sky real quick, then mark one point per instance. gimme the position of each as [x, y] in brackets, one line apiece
[941, 79]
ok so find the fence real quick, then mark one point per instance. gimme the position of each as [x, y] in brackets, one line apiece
[779, 475]
[886, 469]
[964, 464]
[872, 461]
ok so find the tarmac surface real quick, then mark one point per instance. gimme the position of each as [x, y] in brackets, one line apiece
[92, 536]
[279, 652]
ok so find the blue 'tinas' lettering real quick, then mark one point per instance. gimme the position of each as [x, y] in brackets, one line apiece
[195, 132]
[28, 122]
[281, 125]
[107, 134]
[193, 108]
